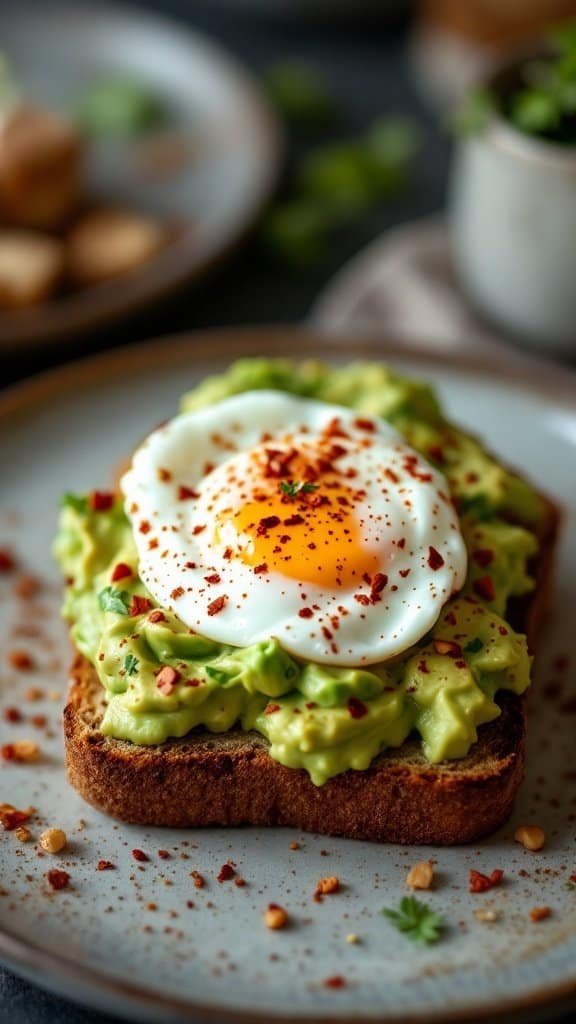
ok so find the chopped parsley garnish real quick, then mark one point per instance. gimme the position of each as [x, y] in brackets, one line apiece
[131, 664]
[416, 920]
[292, 488]
[111, 599]
[473, 646]
[75, 501]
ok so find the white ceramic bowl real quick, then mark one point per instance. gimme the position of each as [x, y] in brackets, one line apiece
[513, 228]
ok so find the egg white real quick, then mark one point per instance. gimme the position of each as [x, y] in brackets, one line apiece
[193, 449]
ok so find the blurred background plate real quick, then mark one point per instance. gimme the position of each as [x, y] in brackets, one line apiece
[222, 146]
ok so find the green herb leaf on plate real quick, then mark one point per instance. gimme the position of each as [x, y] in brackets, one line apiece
[416, 920]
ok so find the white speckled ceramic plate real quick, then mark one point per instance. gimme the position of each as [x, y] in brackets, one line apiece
[206, 172]
[205, 952]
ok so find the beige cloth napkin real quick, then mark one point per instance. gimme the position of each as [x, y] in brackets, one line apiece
[403, 287]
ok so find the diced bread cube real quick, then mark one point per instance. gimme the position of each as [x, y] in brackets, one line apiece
[31, 266]
[40, 168]
[108, 242]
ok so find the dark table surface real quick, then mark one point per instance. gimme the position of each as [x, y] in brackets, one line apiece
[368, 70]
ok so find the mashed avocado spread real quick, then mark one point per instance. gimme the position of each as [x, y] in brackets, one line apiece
[320, 718]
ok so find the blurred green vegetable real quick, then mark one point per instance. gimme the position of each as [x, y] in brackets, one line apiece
[338, 183]
[120, 107]
[297, 232]
[542, 103]
[300, 93]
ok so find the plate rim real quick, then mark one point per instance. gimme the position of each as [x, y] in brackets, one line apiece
[43, 389]
[53, 321]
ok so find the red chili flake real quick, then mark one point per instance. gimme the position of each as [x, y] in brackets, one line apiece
[311, 704]
[185, 493]
[105, 865]
[450, 619]
[100, 501]
[363, 424]
[10, 818]
[240, 882]
[166, 680]
[502, 630]
[460, 664]
[163, 854]
[449, 647]
[7, 560]
[278, 462]
[482, 883]
[404, 573]
[271, 709]
[20, 660]
[305, 613]
[120, 571]
[140, 855]
[295, 520]
[12, 715]
[362, 599]
[357, 708]
[423, 667]
[199, 880]
[261, 568]
[139, 605]
[401, 543]
[192, 682]
[27, 586]
[226, 872]
[484, 587]
[144, 526]
[336, 981]
[197, 530]
[378, 583]
[436, 453]
[267, 523]
[38, 721]
[176, 593]
[164, 475]
[217, 605]
[327, 634]
[483, 557]
[157, 616]
[334, 429]
[58, 879]
[318, 500]
[227, 553]
[391, 475]
[471, 478]
[213, 578]
[435, 560]
[8, 752]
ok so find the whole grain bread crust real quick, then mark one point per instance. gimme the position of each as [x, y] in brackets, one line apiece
[230, 779]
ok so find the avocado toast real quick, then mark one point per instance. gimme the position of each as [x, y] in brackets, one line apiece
[188, 730]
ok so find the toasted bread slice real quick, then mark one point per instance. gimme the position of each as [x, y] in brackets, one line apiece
[229, 779]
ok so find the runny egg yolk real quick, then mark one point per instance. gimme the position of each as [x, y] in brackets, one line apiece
[311, 532]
